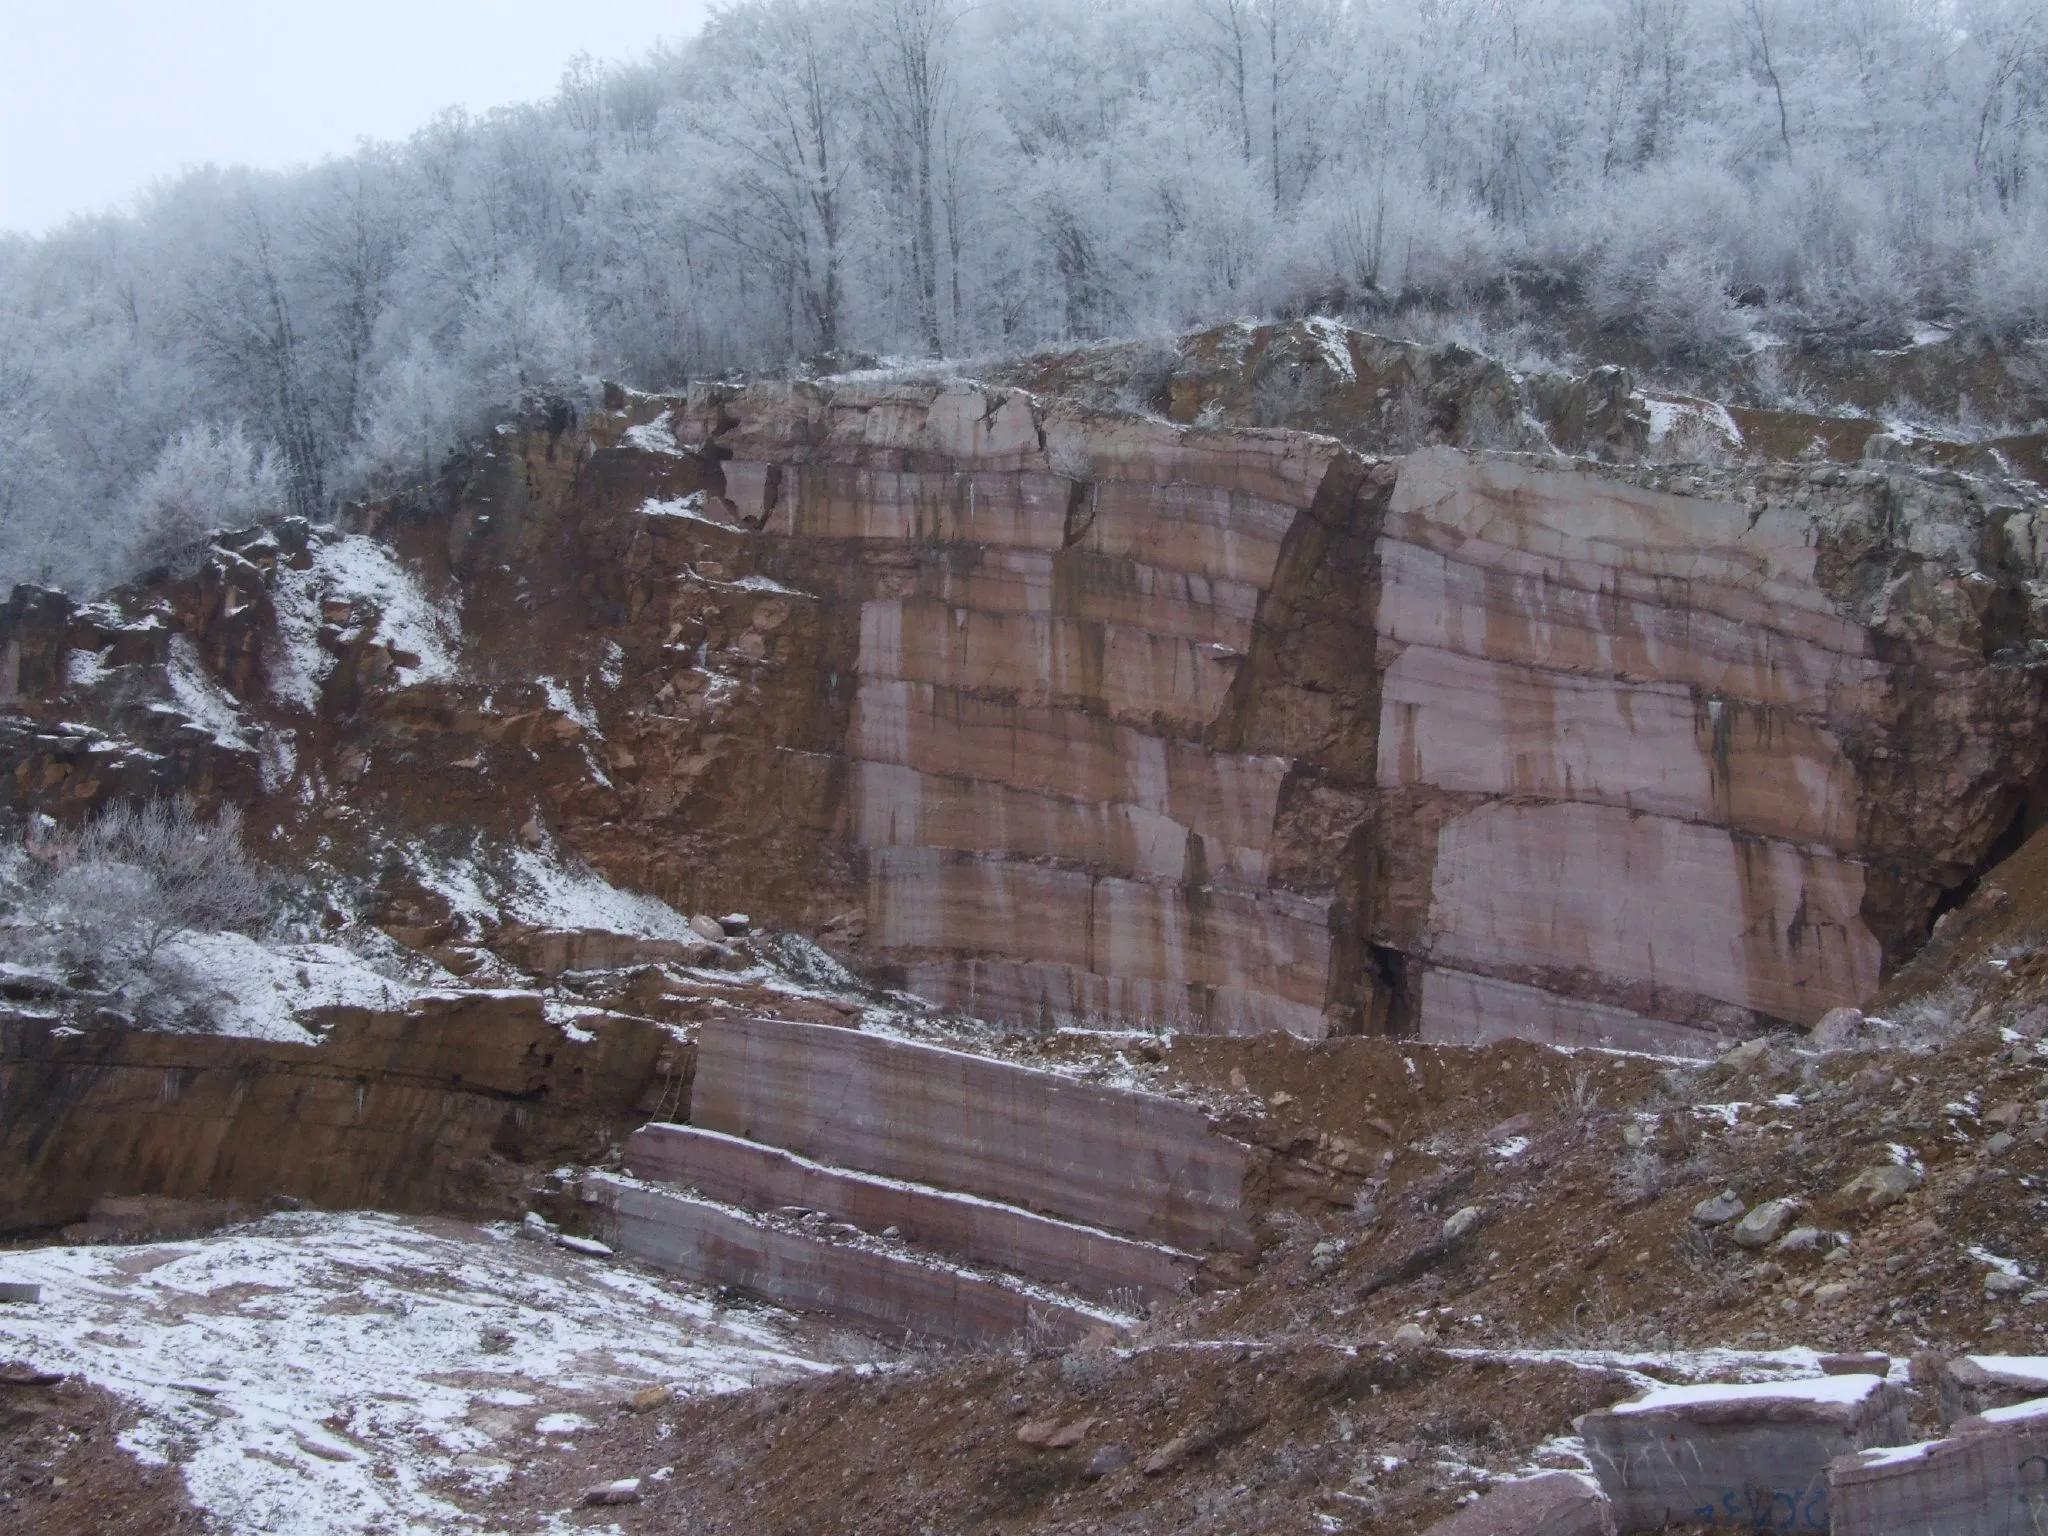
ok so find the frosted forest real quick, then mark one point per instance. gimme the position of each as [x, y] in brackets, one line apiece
[820, 185]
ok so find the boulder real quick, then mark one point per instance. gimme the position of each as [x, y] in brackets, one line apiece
[1763, 1224]
[1719, 1210]
[1877, 1189]
[1989, 1477]
[1975, 1384]
[1750, 1454]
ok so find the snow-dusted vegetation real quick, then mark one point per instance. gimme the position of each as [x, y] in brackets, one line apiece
[928, 178]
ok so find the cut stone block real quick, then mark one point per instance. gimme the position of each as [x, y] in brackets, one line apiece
[1128, 1162]
[1988, 1478]
[744, 1173]
[1555, 1504]
[892, 1295]
[24, 1291]
[1752, 1456]
[1972, 1384]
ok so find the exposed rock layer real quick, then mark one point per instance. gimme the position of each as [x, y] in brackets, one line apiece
[1053, 716]
[431, 1109]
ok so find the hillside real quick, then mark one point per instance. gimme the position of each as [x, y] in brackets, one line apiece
[1169, 938]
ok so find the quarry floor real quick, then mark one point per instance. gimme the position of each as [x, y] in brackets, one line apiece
[359, 1372]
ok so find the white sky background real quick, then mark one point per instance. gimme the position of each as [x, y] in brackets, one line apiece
[99, 98]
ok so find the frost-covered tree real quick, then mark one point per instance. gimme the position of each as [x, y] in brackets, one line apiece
[918, 177]
[206, 477]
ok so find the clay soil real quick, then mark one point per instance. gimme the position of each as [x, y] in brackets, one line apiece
[63, 1472]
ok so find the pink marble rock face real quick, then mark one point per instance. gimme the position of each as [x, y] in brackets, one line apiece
[1128, 1163]
[1638, 694]
[1605, 796]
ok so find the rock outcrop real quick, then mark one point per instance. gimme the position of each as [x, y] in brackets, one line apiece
[430, 1108]
[1053, 716]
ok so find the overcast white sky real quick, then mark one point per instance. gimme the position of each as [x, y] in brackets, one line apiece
[98, 98]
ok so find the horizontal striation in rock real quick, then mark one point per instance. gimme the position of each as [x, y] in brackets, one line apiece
[1600, 534]
[1581, 617]
[1639, 898]
[1047, 659]
[1463, 1008]
[1079, 585]
[890, 1294]
[897, 807]
[1227, 798]
[1266, 941]
[1480, 726]
[734, 1172]
[1126, 1162]
[1041, 996]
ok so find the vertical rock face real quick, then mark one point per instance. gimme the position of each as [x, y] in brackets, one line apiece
[1054, 618]
[1064, 717]
[1610, 747]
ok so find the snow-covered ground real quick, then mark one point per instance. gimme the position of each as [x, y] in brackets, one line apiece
[324, 1373]
[257, 989]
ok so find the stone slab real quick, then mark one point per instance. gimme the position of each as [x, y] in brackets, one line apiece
[894, 1296]
[1988, 1478]
[1464, 1008]
[1754, 1457]
[1126, 1162]
[1973, 1384]
[1552, 1504]
[744, 1173]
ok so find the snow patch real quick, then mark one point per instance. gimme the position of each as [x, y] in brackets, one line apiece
[656, 436]
[84, 669]
[202, 699]
[357, 569]
[286, 1365]
[1818, 1389]
[257, 990]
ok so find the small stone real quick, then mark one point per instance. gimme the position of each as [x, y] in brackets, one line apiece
[1111, 1458]
[2035, 1297]
[1811, 1240]
[1867, 1362]
[1717, 1210]
[1877, 1189]
[589, 1247]
[1462, 1223]
[892, 1231]
[736, 924]
[1744, 1056]
[2000, 1283]
[532, 833]
[625, 1491]
[1896, 1264]
[707, 928]
[1067, 1436]
[647, 1399]
[1410, 1336]
[537, 1226]
[1280, 1100]
[2006, 1115]
[1326, 1256]
[1827, 1295]
[1167, 1457]
[1763, 1224]
[1999, 1143]
[476, 1461]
